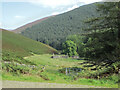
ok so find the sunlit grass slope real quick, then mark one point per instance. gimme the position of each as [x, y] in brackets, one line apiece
[23, 46]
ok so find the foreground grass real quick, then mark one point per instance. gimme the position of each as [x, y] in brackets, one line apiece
[81, 81]
[52, 74]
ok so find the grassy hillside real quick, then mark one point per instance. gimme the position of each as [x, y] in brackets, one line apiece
[22, 46]
[54, 30]
[15, 47]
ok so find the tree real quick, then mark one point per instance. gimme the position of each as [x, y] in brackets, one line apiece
[69, 48]
[103, 44]
[79, 40]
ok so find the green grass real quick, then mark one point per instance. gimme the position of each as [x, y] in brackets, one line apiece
[81, 81]
[46, 59]
[22, 46]
[52, 74]
[27, 78]
[15, 47]
[101, 82]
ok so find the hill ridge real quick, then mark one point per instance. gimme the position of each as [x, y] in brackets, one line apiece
[55, 30]
[30, 24]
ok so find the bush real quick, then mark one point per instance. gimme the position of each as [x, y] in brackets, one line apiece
[70, 48]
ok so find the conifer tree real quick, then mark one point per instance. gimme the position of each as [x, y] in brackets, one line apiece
[104, 34]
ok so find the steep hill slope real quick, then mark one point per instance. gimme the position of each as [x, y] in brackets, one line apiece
[14, 50]
[54, 30]
[22, 46]
[20, 29]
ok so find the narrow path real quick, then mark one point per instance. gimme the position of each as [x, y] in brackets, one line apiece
[20, 84]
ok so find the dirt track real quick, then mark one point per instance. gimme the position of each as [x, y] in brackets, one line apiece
[19, 84]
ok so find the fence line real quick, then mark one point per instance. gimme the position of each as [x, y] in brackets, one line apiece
[68, 70]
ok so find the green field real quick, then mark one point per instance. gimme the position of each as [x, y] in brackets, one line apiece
[52, 73]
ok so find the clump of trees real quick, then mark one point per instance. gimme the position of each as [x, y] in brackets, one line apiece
[70, 48]
[101, 42]
[103, 37]
[80, 41]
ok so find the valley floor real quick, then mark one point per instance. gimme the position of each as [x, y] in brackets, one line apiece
[51, 77]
